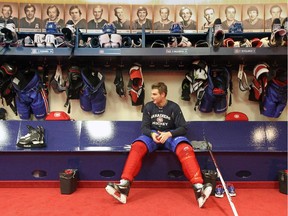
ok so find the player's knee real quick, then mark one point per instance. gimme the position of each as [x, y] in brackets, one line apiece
[184, 151]
[139, 147]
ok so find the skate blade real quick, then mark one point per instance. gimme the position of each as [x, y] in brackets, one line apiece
[120, 197]
[206, 194]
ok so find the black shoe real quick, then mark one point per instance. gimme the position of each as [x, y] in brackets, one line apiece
[202, 193]
[119, 191]
[35, 138]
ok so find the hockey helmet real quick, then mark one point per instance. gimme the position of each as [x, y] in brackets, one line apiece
[69, 31]
[109, 28]
[176, 28]
[51, 28]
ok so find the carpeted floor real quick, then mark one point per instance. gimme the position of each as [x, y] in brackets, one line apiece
[141, 202]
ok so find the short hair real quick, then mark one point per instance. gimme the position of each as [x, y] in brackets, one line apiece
[184, 8]
[75, 7]
[161, 86]
[10, 7]
[275, 6]
[116, 8]
[230, 6]
[252, 8]
[98, 6]
[53, 6]
[209, 8]
[29, 6]
[142, 9]
[164, 8]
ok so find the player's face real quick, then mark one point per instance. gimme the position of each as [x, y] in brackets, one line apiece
[142, 15]
[164, 14]
[75, 14]
[275, 12]
[157, 98]
[52, 14]
[252, 15]
[209, 15]
[230, 14]
[6, 12]
[186, 15]
[30, 13]
[120, 13]
[97, 12]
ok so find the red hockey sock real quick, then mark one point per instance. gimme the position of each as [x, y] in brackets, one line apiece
[190, 166]
[134, 161]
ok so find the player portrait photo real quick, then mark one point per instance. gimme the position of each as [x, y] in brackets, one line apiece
[76, 14]
[273, 11]
[206, 16]
[164, 16]
[97, 16]
[253, 18]
[30, 17]
[53, 13]
[120, 17]
[229, 14]
[142, 17]
[9, 11]
[187, 16]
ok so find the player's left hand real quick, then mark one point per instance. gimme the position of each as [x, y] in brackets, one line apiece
[163, 136]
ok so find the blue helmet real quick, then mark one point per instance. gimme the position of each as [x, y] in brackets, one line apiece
[176, 28]
[51, 28]
[109, 28]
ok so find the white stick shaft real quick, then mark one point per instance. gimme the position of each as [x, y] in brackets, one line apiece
[224, 186]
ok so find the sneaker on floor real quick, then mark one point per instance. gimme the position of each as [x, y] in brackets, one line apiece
[119, 191]
[202, 193]
[219, 191]
[231, 190]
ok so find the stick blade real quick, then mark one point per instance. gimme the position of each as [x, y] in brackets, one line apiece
[201, 145]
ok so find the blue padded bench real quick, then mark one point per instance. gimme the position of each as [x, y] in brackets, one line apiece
[245, 151]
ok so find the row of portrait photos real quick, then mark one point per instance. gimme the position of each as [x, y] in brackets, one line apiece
[132, 18]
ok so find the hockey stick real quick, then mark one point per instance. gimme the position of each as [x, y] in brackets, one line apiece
[222, 180]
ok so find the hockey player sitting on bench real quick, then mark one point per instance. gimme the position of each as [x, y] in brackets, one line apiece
[163, 126]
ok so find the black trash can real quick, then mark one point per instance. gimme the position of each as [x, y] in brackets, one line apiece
[68, 181]
[282, 176]
[210, 176]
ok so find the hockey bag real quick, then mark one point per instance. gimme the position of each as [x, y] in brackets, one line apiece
[7, 92]
[259, 82]
[74, 85]
[93, 93]
[57, 116]
[57, 82]
[194, 79]
[136, 86]
[119, 83]
[275, 94]
[214, 95]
